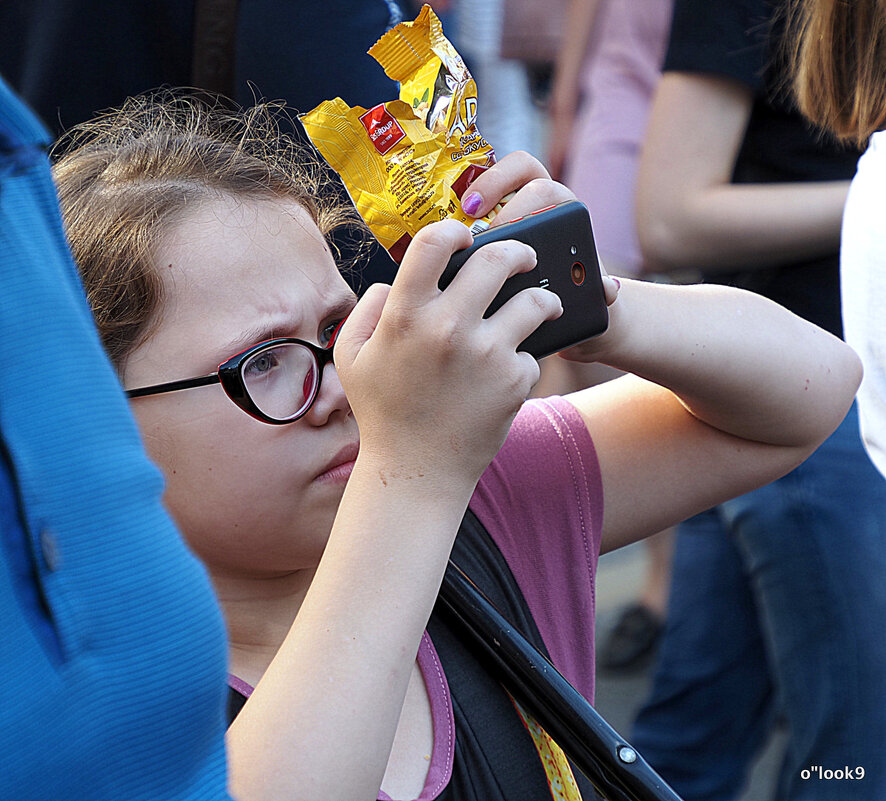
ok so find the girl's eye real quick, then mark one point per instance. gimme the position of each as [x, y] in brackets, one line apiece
[261, 364]
[327, 335]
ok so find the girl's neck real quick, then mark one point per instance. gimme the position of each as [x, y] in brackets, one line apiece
[259, 612]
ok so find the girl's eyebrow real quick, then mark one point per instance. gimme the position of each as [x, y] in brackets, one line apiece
[342, 306]
[339, 308]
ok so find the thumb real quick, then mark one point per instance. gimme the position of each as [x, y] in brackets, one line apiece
[360, 324]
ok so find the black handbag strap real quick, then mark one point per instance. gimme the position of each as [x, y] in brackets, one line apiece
[615, 769]
[215, 39]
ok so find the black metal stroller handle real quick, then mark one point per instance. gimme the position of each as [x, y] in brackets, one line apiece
[614, 768]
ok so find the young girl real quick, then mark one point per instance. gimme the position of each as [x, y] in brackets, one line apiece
[325, 499]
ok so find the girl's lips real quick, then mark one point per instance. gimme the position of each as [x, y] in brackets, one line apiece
[339, 467]
[341, 472]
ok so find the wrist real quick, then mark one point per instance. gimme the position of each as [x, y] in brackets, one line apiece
[612, 346]
[426, 473]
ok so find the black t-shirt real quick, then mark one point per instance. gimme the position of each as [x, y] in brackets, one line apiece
[743, 40]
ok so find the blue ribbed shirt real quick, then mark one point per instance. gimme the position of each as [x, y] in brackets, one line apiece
[112, 651]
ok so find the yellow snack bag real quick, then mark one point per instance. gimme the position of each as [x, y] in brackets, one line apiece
[407, 162]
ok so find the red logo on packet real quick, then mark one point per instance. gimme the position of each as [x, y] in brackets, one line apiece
[384, 131]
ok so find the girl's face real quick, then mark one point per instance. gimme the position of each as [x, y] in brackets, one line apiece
[251, 498]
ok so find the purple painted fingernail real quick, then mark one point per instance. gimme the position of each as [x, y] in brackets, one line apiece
[471, 204]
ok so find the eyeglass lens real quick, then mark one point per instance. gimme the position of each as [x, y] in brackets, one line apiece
[281, 380]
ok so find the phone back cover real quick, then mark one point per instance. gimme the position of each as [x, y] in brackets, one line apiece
[552, 233]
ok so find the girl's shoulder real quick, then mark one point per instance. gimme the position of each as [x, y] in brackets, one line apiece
[541, 500]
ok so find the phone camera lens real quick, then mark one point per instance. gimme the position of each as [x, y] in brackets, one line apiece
[578, 273]
[573, 250]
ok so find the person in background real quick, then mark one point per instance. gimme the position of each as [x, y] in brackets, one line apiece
[112, 639]
[69, 59]
[608, 67]
[839, 82]
[777, 595]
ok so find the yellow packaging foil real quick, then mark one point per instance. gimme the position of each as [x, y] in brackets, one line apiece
[407, 162]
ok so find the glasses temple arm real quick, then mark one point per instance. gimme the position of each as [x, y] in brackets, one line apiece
[173, 386]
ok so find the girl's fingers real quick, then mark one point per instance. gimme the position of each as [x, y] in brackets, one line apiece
[426, 257]
[535, 195]
[481, 277]
[508, 175]
[531, 371]
[611, 287]
[361, 323]
[522, 314]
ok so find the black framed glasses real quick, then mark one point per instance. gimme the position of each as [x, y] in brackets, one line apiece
[275, 381]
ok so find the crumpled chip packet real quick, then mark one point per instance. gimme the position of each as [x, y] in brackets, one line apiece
[407, 162]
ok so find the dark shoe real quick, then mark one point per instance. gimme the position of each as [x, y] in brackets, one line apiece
[632, 640]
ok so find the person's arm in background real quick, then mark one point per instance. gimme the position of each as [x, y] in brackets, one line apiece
[565, 94]
[689, 215]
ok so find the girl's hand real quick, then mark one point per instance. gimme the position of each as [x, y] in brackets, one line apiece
[433, 385]
[523, 180]
[531, 188]
[599, 348]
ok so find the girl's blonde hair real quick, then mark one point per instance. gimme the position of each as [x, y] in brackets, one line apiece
[839, 64]
[125, 176]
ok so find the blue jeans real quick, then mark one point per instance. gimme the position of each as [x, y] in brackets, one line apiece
[778, 605]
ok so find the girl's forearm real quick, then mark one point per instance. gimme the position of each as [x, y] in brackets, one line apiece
[323, 718]
[736, 360]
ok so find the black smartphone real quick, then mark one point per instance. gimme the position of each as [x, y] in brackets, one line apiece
[568, 265]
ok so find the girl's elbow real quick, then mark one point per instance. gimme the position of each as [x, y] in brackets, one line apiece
[849, 372]
[847, 364]
[854, 371]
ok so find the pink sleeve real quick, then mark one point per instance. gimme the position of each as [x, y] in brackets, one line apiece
[541, 500]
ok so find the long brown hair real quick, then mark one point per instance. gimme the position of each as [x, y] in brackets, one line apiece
[125, 176]
[839, 64]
